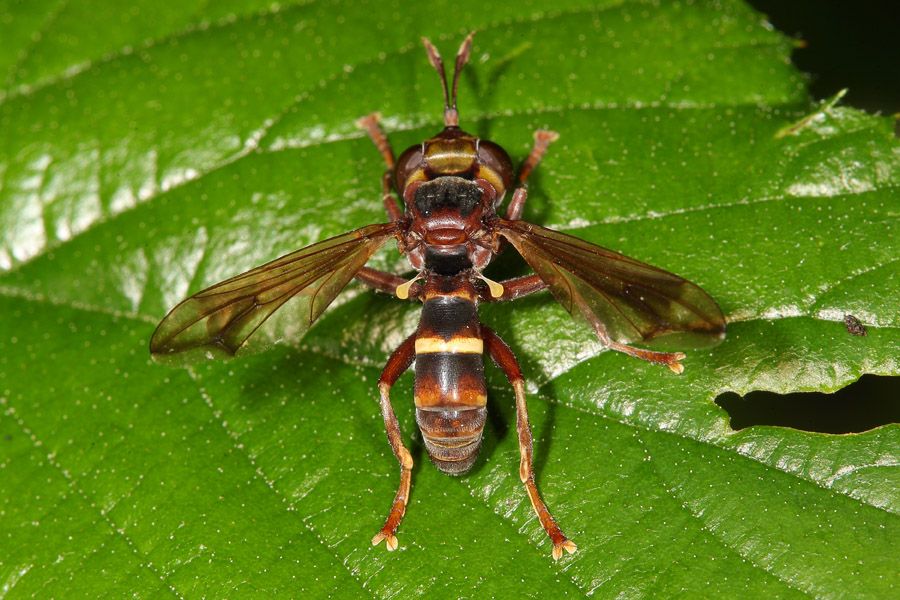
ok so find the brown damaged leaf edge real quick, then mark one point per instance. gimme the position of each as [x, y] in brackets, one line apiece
[451, 186]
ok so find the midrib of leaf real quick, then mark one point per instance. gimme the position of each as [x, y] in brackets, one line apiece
[771, 570]
[524, 519]
[261, 474]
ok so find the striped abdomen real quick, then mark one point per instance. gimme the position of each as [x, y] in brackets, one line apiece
[450, 389]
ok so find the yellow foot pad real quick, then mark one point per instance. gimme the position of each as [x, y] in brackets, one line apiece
[567, 545]
[676, 366]
[392, 544]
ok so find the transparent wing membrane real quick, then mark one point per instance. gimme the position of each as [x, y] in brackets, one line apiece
[630, 300]
[220, 319]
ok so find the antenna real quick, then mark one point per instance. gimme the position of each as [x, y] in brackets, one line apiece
[451, 115]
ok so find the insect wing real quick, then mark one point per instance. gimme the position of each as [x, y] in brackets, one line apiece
[631, 301]
[219, 320]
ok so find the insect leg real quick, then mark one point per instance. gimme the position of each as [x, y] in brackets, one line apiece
[515, 288]
[369, 123]
[542, 140]
[669, 359]
[399, 361]
[504, 358]
[390, 205]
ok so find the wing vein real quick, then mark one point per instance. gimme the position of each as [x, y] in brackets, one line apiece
[225, 315]
[618, 296]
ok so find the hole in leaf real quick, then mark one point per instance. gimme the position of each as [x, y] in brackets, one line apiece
[870, 402]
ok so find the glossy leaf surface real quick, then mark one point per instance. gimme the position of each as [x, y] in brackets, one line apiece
[187, 143]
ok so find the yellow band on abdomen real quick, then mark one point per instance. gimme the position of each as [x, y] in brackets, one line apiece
[459, 345]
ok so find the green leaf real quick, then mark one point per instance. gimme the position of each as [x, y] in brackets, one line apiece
[151, 150]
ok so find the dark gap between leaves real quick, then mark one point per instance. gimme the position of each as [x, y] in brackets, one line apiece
[847, 45]
[870, 402]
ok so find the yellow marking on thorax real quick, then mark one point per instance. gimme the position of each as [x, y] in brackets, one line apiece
[456, 345]
[464, 292]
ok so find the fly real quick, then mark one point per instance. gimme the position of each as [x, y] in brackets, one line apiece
[451, 186]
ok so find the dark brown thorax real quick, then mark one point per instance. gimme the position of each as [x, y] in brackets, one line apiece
[451, 184]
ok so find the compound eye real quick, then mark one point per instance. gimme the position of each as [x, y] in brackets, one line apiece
[495, 159]
[409, 161]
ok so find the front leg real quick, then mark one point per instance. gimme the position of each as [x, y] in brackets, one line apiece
[513, 289]
[504, 358]
[399, 361]
[369, 123]
[542, 140]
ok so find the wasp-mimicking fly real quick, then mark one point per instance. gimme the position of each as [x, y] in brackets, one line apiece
[451, 186]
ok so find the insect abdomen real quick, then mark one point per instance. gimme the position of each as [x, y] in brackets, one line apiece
[450, 389]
